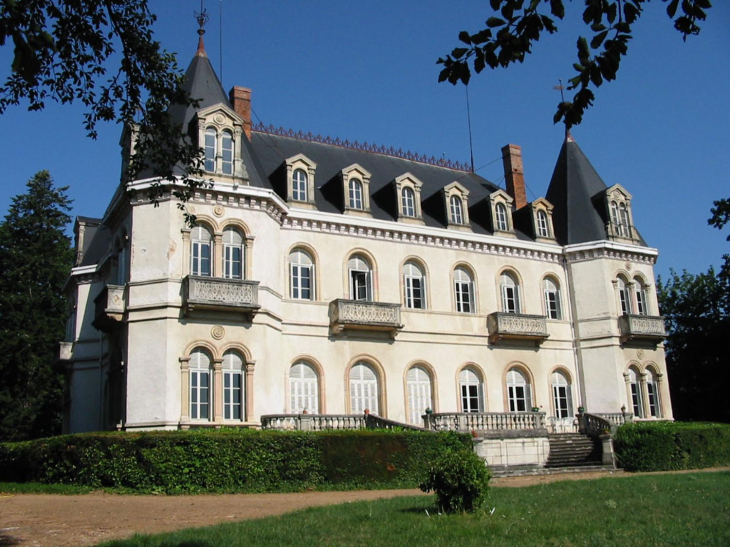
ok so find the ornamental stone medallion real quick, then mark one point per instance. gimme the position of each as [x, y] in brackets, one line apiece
[218, 211]
[219, 119]
[639, 353]
[217, 332]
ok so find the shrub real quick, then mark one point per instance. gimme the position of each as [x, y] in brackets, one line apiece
[460, 481]
[229, 460]
[662, 446]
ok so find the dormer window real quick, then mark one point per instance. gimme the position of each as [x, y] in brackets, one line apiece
[501, 211]
[457, 209]
[219, 134]
[500, 203]
[356, 190]
[300, 181]
[408, 202]
[542, 224]
[408, 193]
[618, 212]
[355, 194]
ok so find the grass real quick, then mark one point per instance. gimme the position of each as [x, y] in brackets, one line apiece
[39, 488]
[687, 509]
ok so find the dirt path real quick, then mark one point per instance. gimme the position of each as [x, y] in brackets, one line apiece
[65, 521]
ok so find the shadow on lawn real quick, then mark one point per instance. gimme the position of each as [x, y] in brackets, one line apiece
[7, 540]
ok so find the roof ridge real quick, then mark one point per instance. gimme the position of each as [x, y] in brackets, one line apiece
[363, 147]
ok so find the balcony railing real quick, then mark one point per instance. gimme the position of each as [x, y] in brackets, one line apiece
[213, 293]
[516, 326]
[358, 314]
[313, 422]
[642, 327]
[488, 422]
[109, 308]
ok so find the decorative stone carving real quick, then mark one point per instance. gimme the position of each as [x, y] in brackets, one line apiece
[359, 314]
[642, 327]
[218, 210]
[221, 294]
[516, 326]
[217, 332]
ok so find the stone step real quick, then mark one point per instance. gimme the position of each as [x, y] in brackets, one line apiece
[521, 471]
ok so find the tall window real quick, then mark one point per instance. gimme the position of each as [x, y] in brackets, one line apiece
[419, 394]
[361, 282]
[501, 217]
[518, 391]
[614, 215]
[201, 242]
[211, 138]
[470, 386]
[641, 300]
[542, 224]
[199, 385]
[301, 275]
[623, 213]
[636, 399]
[121, 277]
[456, 214]
[562, 396]
[355, 187]
[551, 291]
[303, 388]
[232, 386]
[299, 185]
[408, 201]
[232, 254]
[624, 296]
[652, 388]
[414, 285]
[227, 152]
[363, 389]
[463, 291]
[510, 294]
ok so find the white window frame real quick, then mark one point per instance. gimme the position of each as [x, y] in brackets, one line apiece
[637, 399]
[355, 189]
[408, 202]
[542, 224]
[303, 388]
[419, 389]
[364, 391]
[233, 395]
[227, 148]
[211, 149]
[414, 286]
[456, 208]
[199, 247]
[551, 293]
[652, 389]
[624, 296]
[200, 374]
[501, 214]
[642, 303]
[471, 390]
[562, 395]
[233, 241]
[299, 183]
[510, 294]
[519, 392]
[301, 268]
[464, 291]
[360, 278]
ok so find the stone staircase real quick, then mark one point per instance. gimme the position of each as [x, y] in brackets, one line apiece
[573, 450]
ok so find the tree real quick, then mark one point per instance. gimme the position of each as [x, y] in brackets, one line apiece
[511, 32]
[35, 258]
[103, 54]
[720, 217]
[696, 309]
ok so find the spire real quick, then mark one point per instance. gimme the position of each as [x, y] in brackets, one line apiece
[202, 18]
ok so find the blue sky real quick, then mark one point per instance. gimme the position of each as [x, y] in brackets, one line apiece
[367, 71]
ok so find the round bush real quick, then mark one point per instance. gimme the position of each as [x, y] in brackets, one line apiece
[460, 481]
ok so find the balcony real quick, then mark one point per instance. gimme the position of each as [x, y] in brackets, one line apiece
[358, 314]
[109, 308]
[505, 424]
[231, 295]
[642, 327]
[516, 326]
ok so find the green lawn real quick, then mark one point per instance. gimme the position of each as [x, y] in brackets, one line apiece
[688, 509]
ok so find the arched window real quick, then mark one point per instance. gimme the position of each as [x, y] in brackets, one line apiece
[408, 202]
[233, 386]
[471, 390]
[202, 243]
[551, 291]
[227, 152]
[303, 388]
[361, 279]
[301, 275]
[355, 188]
[642, 307]
[518, 391]
[363, 389]
[463, 291]
[652, 388]
[211, 145]
[637, 404]
[562, 396]
[614, 214]
[299, 185]
[199, 385]
[419, 394]
[510, 294]
[501, 217]
[414, 285]
[624, 295]
[542, 224]
[624, 221]
[455, 205]
[232, 254]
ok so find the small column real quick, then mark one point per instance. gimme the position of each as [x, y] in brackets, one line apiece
[661, 386]
[644, 395]
[629, 401]
[250, 366]
[217, 266]
[184, 389]
[186, 251]
[217, 390]
[247, 256]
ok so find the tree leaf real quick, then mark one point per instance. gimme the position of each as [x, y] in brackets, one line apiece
[495, 22]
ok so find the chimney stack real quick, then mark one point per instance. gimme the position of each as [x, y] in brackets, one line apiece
[514, 174]
[241, 101]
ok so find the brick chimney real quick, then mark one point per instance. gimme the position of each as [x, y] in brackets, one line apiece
[514, 174]
[241, 101]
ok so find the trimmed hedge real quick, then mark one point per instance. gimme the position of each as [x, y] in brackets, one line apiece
[663, 446]
[230, 461]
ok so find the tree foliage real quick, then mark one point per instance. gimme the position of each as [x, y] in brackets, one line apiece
[103, 54]
[719, 219]
[696, 309]
[517, 24]
[35, 258]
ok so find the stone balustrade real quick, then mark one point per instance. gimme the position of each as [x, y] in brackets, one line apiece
[359, 314]
[109, 307]
[516, 326]
[642, 327]
[561, 425]
[313, 422]
[487, 422]
[236, 295]
[617, 418]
